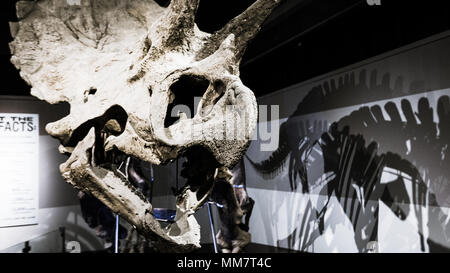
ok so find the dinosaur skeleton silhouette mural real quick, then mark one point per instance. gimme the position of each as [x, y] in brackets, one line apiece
[364, 163]
[122, 65]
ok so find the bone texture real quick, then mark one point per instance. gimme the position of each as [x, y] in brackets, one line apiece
[106, 57]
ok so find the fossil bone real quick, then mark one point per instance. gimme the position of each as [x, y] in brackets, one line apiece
[120, 64]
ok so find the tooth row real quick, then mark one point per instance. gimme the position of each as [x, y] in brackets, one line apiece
[132, 188]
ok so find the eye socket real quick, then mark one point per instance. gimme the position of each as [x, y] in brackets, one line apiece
[184, 90]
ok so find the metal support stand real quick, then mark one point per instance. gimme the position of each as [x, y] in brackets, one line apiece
[62, 232]
[116, 237]
[211, 223]
[151, 182]
[176, 178]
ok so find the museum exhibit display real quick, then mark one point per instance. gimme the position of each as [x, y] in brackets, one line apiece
[194, 126]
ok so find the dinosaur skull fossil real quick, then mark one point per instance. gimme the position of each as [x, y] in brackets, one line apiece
[121, 65]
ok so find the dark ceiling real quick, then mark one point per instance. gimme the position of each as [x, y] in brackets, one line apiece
[301, 40]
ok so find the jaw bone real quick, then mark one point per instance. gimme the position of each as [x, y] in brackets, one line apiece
[121, 197]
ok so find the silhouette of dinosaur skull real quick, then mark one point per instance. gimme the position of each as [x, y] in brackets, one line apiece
[121, 65]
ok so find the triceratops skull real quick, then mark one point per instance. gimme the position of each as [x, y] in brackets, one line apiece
[120, 64]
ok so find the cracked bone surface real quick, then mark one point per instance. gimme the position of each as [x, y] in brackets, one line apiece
[121, 64]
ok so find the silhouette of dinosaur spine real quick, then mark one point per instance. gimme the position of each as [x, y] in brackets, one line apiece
[402, 142]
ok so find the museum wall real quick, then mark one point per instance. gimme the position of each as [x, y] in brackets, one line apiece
[361, 162]
[58, 201]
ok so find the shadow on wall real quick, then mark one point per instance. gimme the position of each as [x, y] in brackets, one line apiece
[82, 234]
[367, 157]
[78, 231]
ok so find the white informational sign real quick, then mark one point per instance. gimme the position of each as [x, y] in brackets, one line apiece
[19, 159]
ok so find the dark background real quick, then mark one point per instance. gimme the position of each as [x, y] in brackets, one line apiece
[301, 40]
